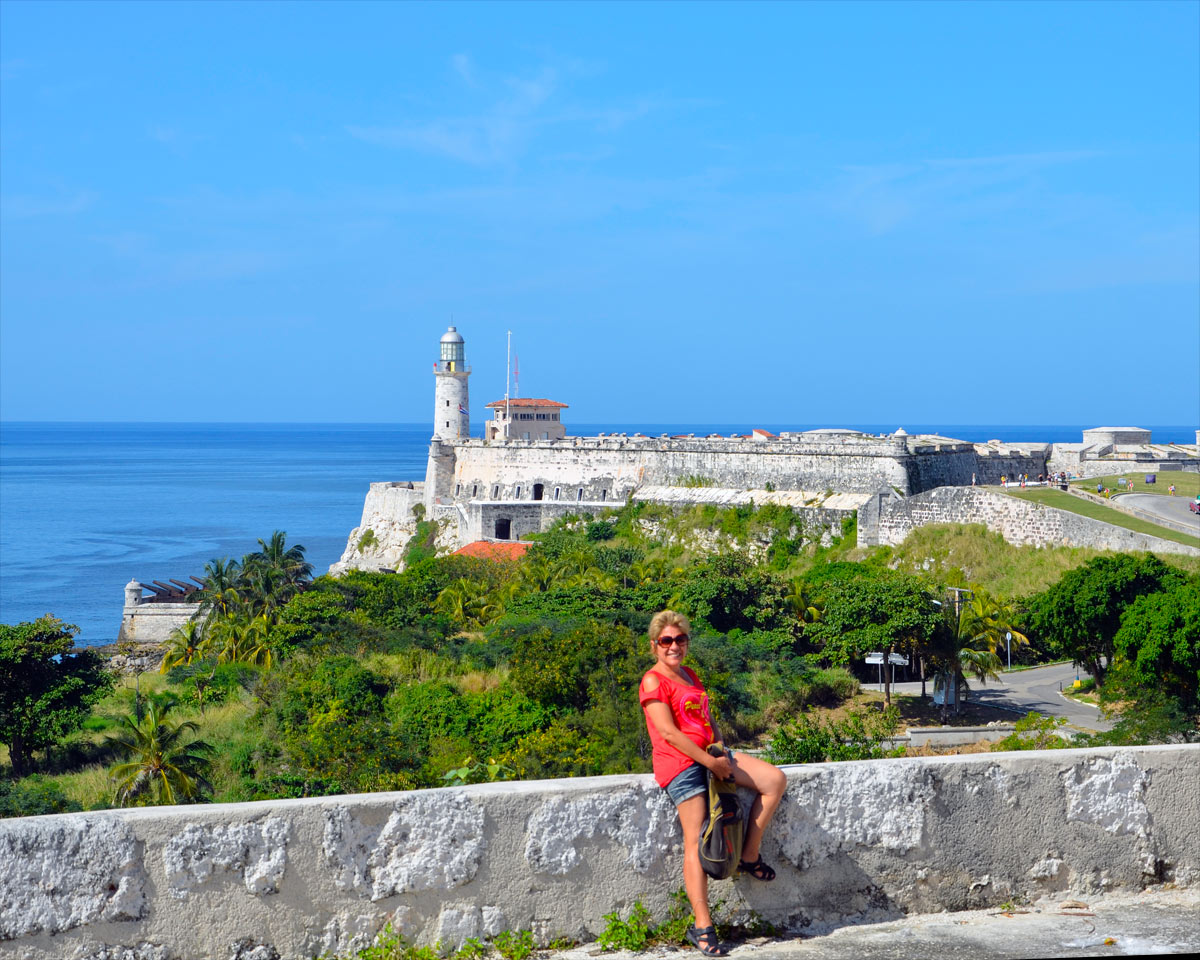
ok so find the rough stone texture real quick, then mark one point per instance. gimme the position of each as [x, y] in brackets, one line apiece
[388, 514]
[58, 874]
[1019, 521]
[256, 851]
[431, 841]
[852, 842]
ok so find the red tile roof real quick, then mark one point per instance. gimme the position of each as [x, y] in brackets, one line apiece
[485, 549]
[528, 402]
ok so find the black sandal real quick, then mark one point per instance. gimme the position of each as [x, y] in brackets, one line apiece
[758, 870]
[705, 940]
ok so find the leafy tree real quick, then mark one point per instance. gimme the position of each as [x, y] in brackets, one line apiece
[1158, 647]
[886, 613]
[165, 763]
[1081, 614]
[727, 592]
[46, 690]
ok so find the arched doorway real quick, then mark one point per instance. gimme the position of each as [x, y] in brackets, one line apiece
[538, 490]
[503, 528]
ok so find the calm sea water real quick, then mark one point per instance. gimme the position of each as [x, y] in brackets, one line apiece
[86, 506]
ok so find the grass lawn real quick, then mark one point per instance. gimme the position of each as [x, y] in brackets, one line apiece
[1187, 485]
[1064, 501]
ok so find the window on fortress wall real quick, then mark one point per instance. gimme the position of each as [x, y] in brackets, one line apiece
[518, 496]
[603, 494]
[557, 490]
[554, 416]
[579, 496]
[447, 423]
[447, 403]
[457, 489]
[495, 491]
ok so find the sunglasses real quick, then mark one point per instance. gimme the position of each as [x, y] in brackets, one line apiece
[667, 641]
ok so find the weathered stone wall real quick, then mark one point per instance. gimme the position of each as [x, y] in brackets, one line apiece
[1019, 521]
[608, 468]
[153, 622]
[866, 840]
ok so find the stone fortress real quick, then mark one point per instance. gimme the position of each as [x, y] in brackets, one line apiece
[526, 472]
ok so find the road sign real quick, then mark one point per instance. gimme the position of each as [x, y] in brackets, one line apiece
[875, 657]
[898, 659]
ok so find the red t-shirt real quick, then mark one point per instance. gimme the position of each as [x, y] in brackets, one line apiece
[689, 708]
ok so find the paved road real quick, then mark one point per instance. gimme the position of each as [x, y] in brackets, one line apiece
[1169, 508]
[1156, 921]
[1036, 689]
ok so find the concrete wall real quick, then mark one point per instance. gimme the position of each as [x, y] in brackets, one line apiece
[852, 841]
[1019, 521]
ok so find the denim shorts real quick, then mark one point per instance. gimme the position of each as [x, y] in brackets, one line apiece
[690, 783]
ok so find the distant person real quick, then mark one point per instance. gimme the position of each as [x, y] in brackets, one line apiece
[972, 479]
[681, 728]
[1171, 488]
[1003, 480]
[1099, 488]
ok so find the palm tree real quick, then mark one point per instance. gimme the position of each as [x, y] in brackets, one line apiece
[287, 561]
[962, 646]
[184, 645]
[165, 763]
[244, 639]
[804, 606]
[463, 601]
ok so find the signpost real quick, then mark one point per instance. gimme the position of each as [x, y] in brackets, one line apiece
[894, 659]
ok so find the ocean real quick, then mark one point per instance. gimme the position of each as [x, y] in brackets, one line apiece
[84, 507]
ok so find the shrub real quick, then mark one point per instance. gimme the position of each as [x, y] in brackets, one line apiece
[1034, 732]
[860, 736]
[33, 797]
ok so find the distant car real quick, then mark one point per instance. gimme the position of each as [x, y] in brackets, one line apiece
[1194, 506]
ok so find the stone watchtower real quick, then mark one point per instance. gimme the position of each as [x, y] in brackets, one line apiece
[451, 416]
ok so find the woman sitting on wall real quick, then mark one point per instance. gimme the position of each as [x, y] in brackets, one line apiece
[680, 727]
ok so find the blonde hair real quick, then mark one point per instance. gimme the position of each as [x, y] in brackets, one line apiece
[667, 618]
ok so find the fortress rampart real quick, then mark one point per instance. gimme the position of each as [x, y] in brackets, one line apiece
[1018, 521]
[609, 468]
[852, 841]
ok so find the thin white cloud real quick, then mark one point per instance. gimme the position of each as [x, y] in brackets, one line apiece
[885, 196]
[26, 206]
[501, 132]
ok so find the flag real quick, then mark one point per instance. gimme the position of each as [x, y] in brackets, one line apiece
[462, 409]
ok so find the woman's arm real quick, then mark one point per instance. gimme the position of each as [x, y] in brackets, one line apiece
[660, 715]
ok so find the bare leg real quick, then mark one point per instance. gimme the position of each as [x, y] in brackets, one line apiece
[695, 880]
[769, 782]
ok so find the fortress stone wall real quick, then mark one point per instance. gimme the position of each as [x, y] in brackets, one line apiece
[1018, 521]
[852, 841]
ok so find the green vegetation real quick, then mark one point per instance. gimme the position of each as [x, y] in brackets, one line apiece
[1186, 484]
[1052, 497]
[367, 540]
[46, 691]
[463, 670]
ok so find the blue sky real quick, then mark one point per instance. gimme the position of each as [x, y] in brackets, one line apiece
[845, 213]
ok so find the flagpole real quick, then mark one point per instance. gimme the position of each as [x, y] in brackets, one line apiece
[507, 376]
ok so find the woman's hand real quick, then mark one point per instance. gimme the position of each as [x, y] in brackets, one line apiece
[721, 767]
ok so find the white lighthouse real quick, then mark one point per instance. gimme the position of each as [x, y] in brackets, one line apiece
[451, 403]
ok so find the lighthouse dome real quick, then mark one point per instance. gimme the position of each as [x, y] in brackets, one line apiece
[452, 336]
